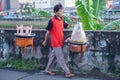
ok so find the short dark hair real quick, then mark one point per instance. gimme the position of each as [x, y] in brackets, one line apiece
[57, 7]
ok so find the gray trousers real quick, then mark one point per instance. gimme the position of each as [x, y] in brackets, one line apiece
[57, 54]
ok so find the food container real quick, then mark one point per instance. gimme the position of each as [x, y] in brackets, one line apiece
[77, 48]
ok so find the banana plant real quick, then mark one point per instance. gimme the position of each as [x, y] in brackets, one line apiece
[88, 12]
[99, 6]
[114, 25]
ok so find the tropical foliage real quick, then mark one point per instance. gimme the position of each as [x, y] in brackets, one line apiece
[115, 25]
[30, 11]
[41, 13]
[89, 13]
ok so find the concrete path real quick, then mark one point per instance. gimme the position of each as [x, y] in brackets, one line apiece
[15, 75]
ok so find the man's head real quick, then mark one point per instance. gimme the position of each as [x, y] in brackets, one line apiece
[58, 9]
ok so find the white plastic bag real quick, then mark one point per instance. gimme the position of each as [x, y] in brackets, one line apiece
[78, 34]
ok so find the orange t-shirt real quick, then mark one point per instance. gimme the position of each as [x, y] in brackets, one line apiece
[56, 32]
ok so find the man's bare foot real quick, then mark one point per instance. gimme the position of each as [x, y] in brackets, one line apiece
[49, 73]
[69, 75]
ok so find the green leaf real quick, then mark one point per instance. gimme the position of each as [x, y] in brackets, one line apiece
[89, 13]
[98, 6]
[115, 25]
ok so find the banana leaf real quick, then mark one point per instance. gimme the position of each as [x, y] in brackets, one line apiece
[114, 25]
[98, 6]
[88, 12]
[84, 15]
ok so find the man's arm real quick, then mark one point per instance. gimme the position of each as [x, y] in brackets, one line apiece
[48, 28]
[71, 22]
[46, 38]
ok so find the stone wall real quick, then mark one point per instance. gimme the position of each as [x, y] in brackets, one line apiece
[103, 51]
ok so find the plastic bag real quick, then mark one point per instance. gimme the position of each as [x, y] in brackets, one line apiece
[78, 34]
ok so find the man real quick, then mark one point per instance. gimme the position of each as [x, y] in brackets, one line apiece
[55, 28]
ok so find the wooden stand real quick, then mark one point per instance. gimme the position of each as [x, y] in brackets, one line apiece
[24, 42]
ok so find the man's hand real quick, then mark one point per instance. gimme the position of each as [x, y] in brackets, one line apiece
[44, 43]
[45, 39]
[71, 22]
[72, 19]
[67, 40]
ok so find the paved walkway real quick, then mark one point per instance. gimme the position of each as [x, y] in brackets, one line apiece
[15, 75]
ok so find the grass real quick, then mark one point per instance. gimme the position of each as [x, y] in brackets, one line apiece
[7, 24]
[13, 26]
[20, 64]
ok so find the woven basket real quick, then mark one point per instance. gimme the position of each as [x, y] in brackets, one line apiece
[77, 48]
